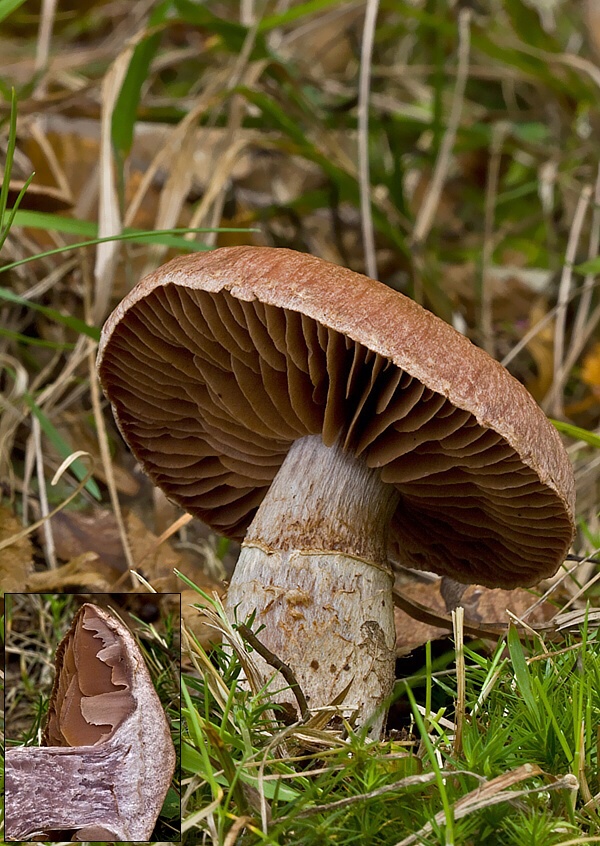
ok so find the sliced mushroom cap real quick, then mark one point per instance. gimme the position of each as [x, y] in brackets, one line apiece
[108, 758]
[218, 362]
[93, 692]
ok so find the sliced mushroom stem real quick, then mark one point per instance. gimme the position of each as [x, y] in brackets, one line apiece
[49, 788]
[314, 569]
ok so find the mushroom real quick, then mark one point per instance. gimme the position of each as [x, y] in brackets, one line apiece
[332, 425]
[108, 758]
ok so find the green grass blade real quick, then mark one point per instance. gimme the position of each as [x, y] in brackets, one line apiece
[522, 674]
[34, 342]
[193, 762]
[552, 717]
[88, 229]
[56, 223]
[10, 151]
[232, 34]
[78, 468]
[193, 720]
[7, 7]
[591, 266]
[435, 767]
[577, 433]
[128, 101]
[5, 228]
[74, 323]
[295, 13]
[161, 236]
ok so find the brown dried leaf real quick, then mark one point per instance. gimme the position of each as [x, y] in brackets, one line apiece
[325, 45]
[16, 560]
[85, 572]
[94, 530]
[152, 561]
[590, 369]
[483, 606]
[157, 561]
[412, 633]
[541, 347]
[196, 621]
[42, 198]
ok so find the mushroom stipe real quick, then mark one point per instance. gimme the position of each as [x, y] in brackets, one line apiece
[333, 426]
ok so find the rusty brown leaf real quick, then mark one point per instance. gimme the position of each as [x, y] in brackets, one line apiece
[196, 621]
[84, 572]
[16, 560]
[94, 530]
[483, 606]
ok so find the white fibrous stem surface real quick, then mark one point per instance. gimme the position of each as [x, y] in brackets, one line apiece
[314, 569]
[60, 789]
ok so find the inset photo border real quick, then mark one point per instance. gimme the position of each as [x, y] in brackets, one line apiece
[50, 650]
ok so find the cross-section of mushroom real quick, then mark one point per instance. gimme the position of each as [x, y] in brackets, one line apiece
[332, 424]
[108, 757]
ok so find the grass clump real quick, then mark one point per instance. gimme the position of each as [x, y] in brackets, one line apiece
[525, 772]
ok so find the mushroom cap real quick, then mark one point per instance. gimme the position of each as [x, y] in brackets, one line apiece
[217, 362]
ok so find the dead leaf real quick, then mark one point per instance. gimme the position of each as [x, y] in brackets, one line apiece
[152, 560]
[590, 369]
[42, 198]
[483, 606]
[16, 560]
[196, 621]
[541, 347]
[93, 530]
[77, 431]
[327, 43]
[84, 572]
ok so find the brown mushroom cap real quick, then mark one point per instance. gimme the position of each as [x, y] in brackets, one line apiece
[217, 362]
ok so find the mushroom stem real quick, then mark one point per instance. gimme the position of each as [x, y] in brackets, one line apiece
[314, 568]
[61, 788]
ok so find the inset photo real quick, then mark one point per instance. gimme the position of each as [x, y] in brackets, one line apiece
[92, 717]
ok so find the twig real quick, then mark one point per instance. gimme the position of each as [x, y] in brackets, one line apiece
[458, 618]
[278, 665]
[364, 177]
[429, 206]
[39, 462]
[491, 191]
[409, 781]
[553, 400]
